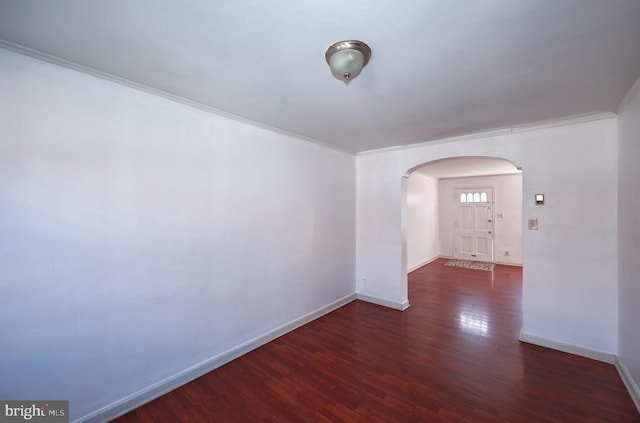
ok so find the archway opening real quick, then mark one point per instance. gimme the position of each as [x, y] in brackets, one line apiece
[431, 220]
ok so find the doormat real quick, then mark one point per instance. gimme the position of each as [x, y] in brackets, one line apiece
[470, 264]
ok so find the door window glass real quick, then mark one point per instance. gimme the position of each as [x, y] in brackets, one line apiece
[471, 197]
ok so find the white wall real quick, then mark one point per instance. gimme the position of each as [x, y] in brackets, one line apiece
[140, 237]
[570, 263]
[422, 220]
[507, 195]
[629, 236]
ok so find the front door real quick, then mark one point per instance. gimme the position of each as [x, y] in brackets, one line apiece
[473, 221]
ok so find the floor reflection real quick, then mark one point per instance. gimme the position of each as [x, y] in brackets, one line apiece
[474, 323]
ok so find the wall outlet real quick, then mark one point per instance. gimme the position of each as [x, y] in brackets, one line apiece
[506, 253]
[533, 224]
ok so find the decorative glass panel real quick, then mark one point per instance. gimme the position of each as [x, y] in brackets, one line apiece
[476, 198]
[483, 197]
[469, 198]
[463, 198]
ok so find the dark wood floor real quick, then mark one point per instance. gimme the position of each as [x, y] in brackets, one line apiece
[453, 356]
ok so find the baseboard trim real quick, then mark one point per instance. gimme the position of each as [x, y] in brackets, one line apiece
[160, 388]
[628, 381]
[424, 263]
[508, 264]
[385, 303]
[568, 348]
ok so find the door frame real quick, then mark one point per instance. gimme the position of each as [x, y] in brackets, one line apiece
[456, 217]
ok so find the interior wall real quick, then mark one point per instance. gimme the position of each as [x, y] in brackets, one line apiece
[507, 195]
[140, 237]
[629, 237]
[570, 262]
[422, 220]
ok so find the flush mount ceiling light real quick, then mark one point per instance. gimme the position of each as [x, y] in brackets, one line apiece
[347, 58]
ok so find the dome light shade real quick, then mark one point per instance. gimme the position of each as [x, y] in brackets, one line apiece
[347, 58]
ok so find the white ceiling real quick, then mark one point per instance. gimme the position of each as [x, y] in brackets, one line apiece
[439, 68]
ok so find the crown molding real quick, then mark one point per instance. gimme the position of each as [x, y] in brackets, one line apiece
[45, 57]
[534, 126]
[36, 54]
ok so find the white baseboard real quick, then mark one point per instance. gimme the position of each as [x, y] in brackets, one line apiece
[508, 264]
[628, 381]
[160, 388]
[424, 263]
[386, 303]
[568, 348]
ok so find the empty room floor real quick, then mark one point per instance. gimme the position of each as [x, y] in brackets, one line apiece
[453, 356]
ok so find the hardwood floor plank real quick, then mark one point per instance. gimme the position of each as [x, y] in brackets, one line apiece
[453, 356]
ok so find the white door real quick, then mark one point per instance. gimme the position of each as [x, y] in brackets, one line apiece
[473, 221]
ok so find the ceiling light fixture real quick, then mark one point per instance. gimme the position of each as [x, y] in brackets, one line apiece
[347, 58]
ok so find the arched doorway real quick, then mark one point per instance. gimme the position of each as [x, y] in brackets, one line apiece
[430, 220]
